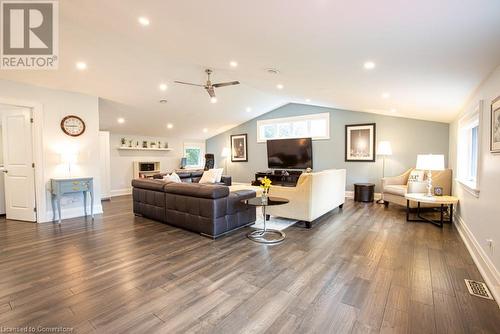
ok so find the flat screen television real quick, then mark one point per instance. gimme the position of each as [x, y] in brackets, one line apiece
[293, 153]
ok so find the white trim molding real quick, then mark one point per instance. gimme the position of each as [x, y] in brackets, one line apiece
[120, 192]
[469, 187]
[75, 212]
[486, 267]
[350, 194]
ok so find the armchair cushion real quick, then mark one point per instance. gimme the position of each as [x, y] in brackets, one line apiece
[394, 189]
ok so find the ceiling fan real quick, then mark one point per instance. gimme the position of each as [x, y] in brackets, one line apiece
[209, 86]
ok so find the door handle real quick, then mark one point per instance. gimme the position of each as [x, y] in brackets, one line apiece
[5, 171]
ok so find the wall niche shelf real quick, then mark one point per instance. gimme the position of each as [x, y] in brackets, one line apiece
[143, 149]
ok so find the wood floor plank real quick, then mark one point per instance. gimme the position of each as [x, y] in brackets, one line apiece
[362, 269]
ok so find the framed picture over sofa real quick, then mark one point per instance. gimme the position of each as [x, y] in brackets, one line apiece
[239, 148]
[360, 142]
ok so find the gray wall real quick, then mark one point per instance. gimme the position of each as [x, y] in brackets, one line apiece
[408, 137]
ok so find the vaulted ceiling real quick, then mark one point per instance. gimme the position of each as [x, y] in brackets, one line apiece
[429, 57]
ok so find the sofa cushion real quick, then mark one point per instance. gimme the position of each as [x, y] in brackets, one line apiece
[198, 190]
[149, 184]
[394, 189]
[196, 173]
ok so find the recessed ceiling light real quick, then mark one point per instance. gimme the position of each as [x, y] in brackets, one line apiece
[280, 86]
[163, 86]
[369, 65]
[144, 21]
[163, 101]
[386, 95]
[248, 109]
[170, 126]
[81, 65]
[308, 100]
[121, 120]
[213, 100]
[233, 63]
[393, 110]
[205, 130]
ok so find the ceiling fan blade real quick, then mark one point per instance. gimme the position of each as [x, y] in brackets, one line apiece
[210, 91]
[188, 83]
[224, 84]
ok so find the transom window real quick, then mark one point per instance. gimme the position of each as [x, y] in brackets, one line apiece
[316, 126]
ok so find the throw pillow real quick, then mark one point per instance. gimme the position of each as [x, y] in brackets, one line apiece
[218, 173]
[416, 176]
[177, 177]
[172, 178]
[209, 176]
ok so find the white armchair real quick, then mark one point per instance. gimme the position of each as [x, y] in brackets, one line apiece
[314, 195]
[395, 188]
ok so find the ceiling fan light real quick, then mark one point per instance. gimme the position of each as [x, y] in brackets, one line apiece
[213, 100]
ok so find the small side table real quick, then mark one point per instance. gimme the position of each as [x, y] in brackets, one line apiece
[364, 192]
[65, 186]
[444, 203]
[260, 234]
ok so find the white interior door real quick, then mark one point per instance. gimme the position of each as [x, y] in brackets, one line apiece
[18, 164]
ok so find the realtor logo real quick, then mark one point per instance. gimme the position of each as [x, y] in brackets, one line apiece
[29, 35]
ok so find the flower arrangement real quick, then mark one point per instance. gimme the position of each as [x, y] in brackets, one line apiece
[265, 185]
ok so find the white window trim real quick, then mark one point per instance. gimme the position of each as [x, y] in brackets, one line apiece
[471, 187]
[199, 145]
[325, 116]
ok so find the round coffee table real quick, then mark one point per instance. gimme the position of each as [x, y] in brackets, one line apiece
[260, 234]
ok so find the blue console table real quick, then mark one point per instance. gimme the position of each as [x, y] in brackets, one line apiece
[71, 185]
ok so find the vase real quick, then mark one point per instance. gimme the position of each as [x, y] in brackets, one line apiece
[264, 197]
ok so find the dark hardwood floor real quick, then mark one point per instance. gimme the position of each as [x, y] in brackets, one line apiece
[360, 270]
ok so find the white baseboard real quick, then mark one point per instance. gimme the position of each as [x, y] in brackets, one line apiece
[350, 194]
[121, 192]
[483, 263]
[68, 213]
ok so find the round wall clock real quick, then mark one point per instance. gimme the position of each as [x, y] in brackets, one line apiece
[73, 125]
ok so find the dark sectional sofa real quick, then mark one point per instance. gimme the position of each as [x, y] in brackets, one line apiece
[211, 210]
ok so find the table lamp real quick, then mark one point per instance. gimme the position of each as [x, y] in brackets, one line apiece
[69, 158]
[430, 162]
[225, 154]
[384, 149]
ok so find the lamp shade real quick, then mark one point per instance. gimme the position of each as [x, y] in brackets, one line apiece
[430, 161]
[384, 148]
[225, 152]
[68, 157]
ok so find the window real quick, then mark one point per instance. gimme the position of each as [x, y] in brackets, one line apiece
[468, 150]
[316, 126]
[194, 152]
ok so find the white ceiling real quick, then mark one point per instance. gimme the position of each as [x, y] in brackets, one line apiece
[430, 56]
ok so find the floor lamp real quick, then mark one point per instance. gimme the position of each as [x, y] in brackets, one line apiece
[225, 154]
[384, 149]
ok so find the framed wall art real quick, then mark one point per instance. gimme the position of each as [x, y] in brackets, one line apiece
[239, 148]
[360, 142]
